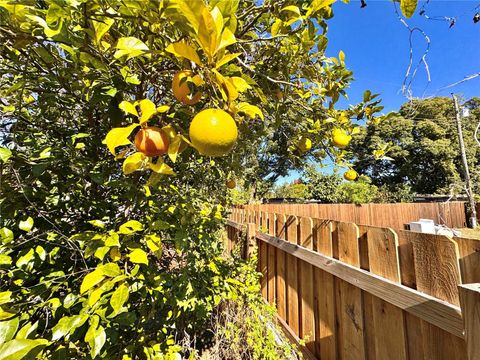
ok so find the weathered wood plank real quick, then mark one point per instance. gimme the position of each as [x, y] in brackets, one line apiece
[271, 261]
[469, 250]
[324, 294]
[349, 304]
[428, 308]
[292, 278]
[281, 295]
[307, 319]
[470, 302]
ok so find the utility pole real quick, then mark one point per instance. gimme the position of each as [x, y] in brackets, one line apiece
[468, 184]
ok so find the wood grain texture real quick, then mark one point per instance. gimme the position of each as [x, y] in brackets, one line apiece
[426, 307]
[349, 306]
[271, 261]
[293, 318]
[470, 302]
[469, 250]
[436, 265]
[388, 320]
[281, 269]
[307, 319]
[324, 295]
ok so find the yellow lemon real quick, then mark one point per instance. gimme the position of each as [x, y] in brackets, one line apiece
[350, 175]
[213, 132]
[180, 88]
[340, 138]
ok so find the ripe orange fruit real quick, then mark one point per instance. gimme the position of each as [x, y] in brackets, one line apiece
[180, 88]
[231, 184]
[152, 141]
[213, 132]
[350, 175]
[340, 138]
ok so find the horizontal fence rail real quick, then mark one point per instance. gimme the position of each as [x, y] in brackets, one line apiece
[363, 292]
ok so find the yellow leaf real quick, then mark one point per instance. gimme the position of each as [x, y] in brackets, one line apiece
[240, 84]
[228, 38]
[182, 49]
[101, 27]
[341, 56]
[226, 59]
[408, 7]
[118, 137]
[317, 5]
[138, 256]
[277, 25]
[174, 148]
[250, 110]
[130, 46]
[115, 254]
[95, 296]
[91, 279]
[218, 19]
[186, 10]
[130, 227]
[161, 168]
[291, 8]
[133, 163]
[170, 131]
[128, 107]
[148, 109]
[163, 108]
[229, 92]
[207, 33]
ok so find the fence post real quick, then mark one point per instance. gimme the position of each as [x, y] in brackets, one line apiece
[470, 303]
[251, 239]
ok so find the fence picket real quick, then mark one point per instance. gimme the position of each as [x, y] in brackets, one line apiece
[292, 278]
[271, 261]
[281, 268]
[349, 298]
[325, 333]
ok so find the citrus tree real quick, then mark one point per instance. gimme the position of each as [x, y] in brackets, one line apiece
[123, 126]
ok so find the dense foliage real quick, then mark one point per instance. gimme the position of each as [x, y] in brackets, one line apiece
[419, 147]
[107, 251]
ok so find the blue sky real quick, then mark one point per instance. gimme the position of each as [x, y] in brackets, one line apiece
[376, 45]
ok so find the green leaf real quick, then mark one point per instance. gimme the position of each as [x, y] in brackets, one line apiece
[5, 259]
[250, 110]
[118, 137]
[161, 168]
[49, 32]
[5, 154]
[318, 5]
[25, 259]
[28, 331]
[367, 96]
[8, 328]
[91, 279]
[110, 270]
[95, 336]
[148, 109]
[174, 148]
[6, 235]
[138, 256]
[130, 227]
[130, 47]
[5, 297]
[119, 297]
[240, 84]
[226, 59]
[128, 107]
[133, 163]
[408, 7]
[101, 27]
[20, 348]
[67, 325]
[184, 50]
[292, 8]
[98, 223]
[228, 38]
[26, 225]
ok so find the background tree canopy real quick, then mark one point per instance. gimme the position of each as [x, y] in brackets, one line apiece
[419, 147]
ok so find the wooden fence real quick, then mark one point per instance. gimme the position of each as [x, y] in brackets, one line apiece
[394, 216]
[364, 292]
